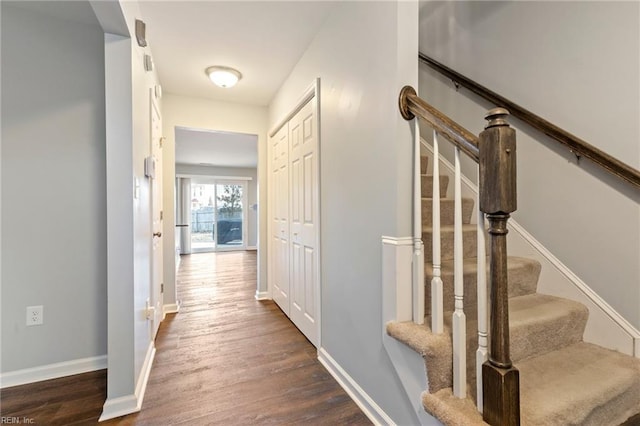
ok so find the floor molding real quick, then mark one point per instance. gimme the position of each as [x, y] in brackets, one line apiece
[263, 295]
[52, 371]
[123, 405]
[170, 308]
[359, 396]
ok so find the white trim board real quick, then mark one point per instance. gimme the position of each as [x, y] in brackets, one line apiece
[397, 260]
[605, 327]
[211, 177]
[52, 371]
[312, 90]
[359, 396]
[170, 308]
[263, 295]
[123, 405]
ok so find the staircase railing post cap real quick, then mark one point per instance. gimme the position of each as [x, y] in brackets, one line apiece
[496, 117]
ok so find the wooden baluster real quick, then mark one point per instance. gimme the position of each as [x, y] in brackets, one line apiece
[437, 298]
[501, 382]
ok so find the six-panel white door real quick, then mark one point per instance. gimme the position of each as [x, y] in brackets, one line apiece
[294, 220]
[280, 218]
[304, 194]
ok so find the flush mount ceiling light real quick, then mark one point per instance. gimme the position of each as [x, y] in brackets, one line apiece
[223, 76]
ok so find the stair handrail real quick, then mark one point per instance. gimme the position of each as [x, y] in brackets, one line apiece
[577, 146]
[495, 152]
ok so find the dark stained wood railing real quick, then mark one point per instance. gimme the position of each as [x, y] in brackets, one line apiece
[495, 153]
[576, 145]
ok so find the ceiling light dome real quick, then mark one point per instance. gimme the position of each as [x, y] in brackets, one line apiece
[223, 76]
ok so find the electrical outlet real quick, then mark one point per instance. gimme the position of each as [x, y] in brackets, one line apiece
[35, 315]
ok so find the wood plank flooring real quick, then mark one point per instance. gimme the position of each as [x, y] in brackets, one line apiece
[225, 359]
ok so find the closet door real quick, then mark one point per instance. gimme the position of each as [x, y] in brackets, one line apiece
[280, 218]
[303, 165]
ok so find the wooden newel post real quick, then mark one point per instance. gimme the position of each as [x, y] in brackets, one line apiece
[497, 152]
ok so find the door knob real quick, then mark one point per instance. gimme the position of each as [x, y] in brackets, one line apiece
[157, 234]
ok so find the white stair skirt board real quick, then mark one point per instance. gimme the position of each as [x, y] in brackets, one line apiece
[123, 405]
[263, 295]
[52, 371]
[359, 396]
[606, 327]
[410, 369]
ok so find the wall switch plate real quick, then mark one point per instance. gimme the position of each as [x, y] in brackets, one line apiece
[35, 315]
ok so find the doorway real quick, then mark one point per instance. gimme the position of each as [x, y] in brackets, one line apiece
[216, 190]
[218, 215]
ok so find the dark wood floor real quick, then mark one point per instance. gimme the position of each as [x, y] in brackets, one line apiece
[225, 359]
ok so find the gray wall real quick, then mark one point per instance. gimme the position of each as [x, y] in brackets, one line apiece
[53, 186]
[363, 55]
[578, 65]
[252, 189]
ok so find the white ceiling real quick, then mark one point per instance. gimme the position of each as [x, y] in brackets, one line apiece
[262, 39]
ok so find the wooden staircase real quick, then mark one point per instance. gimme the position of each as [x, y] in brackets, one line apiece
[563, 380]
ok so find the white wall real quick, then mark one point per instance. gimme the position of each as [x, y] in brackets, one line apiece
[252, 190]
[364, 53]
[54, 249]
[129, 238]
[202, 113]
[576, 64]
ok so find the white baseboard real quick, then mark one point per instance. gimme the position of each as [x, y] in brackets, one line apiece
[359, 396]
[263, 295]
[254, 248]
[123, 405]
[170, 308]
[52, 371]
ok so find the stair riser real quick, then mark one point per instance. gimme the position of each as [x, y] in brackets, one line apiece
[549, 334]
[427, 186]
[522, 277]
[424, 163]
[469, 244]
[447, 211]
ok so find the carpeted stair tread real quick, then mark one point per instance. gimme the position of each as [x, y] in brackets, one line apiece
[436, 349]
[447, 211]
[469, 241]
[427, 186]
[581, 384]
[539, 323]
[452, 411]
[557, 323]
[522, 275]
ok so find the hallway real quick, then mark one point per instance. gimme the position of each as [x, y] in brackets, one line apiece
[225, 359]
[229, 359]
